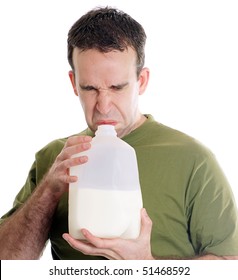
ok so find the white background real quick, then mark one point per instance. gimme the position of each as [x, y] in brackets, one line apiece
[119, 270]
[191, 51]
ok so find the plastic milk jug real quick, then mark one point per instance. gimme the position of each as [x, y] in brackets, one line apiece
[106, 199]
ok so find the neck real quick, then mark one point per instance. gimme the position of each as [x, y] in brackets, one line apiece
[137, 124]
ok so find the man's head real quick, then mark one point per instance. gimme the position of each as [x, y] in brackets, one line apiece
[107, 29]
[106, 53]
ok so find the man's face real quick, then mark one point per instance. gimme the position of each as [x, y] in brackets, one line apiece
[109, 88]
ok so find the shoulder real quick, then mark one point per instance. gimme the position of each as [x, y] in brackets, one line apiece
[174, 141]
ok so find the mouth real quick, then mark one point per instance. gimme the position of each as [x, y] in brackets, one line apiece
[108, 122]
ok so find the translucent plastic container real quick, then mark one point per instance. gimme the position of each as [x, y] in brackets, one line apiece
[106, 199]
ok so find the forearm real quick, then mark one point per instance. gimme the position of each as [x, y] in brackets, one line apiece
[23, 235]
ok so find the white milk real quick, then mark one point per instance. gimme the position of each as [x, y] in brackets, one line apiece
[106, 199]
[104, 213]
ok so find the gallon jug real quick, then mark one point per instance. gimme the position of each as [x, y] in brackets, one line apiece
[106, 199]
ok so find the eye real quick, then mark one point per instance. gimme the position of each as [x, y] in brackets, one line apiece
[118, 87]
[87, 88]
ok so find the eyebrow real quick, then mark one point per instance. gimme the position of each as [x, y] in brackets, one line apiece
[90, 87]
[86, 87]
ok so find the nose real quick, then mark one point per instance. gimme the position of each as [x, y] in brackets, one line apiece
[103, 102]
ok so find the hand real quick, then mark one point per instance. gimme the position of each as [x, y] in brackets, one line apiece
[58, 176]
[116, 248]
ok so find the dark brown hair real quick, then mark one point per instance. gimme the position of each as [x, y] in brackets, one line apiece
[107, 29]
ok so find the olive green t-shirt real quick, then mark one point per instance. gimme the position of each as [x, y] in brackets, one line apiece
[184, 192]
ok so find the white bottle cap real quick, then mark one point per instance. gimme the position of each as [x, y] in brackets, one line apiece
[106, 129]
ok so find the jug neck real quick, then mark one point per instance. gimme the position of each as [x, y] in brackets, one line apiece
[106, 129]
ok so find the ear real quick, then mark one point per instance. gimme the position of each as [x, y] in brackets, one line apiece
[143, 80]
[72, 79]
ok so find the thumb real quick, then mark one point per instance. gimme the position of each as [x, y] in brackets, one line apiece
[146, 224]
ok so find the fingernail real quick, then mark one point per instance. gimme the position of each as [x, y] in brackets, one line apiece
[64, 236]
[83, 159]
[86, 145]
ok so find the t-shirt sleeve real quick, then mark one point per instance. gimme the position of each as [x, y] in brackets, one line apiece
[24, 193]
[44, 158]
[213, 222]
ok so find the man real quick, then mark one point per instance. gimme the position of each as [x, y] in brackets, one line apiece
[185, 193]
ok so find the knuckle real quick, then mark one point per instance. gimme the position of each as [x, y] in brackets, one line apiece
[78, 160]
[66, 153]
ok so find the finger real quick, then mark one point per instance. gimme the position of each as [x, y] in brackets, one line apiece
[74, 161]
[63, 167]
[88, 248]
[74, 243]
[146, 225]
[74, 145]
[106, 245]
[102, 243]
[74, 140]
[69, 152]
